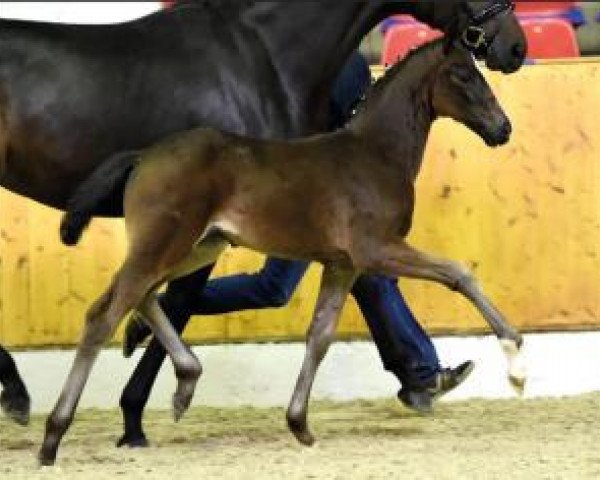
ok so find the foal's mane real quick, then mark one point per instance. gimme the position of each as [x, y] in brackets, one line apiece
[379, 85]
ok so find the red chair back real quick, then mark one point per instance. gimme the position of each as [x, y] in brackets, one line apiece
[543, 8]
[550, 38]
[400, 39]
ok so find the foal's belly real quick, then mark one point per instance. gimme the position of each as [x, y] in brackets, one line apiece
[283, 239]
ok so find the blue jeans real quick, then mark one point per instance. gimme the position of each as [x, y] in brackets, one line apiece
[404, 348]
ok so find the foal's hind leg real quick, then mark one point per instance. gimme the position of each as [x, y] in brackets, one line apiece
[136, 393]
[187, 366]
[335, 285]
[404, 260]
[126, 291]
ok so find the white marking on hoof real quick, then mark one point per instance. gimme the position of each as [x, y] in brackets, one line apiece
[517, 371]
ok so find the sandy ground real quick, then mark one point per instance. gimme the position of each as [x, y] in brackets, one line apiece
[504, 439]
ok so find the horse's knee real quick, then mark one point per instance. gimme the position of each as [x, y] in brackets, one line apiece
[97, 330]
[463, 278]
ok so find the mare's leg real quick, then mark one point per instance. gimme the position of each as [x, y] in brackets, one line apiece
[173, 304]
[404, 260]
[14, 398]
[335, 285]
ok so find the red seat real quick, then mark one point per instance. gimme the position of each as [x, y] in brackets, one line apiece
[550, 38]
[569, 11]
[543, 8]
[400, 39]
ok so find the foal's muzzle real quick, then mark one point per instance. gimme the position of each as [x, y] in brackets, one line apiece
[499, 136]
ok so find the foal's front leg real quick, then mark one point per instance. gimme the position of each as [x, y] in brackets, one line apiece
[335, 285]
[403, 260]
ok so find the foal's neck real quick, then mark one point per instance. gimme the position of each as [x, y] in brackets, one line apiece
[396, 116]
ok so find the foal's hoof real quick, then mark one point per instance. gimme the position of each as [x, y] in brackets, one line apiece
[186, 386]
[182, 398]
[300, 430]
[305, 438]
[46, 458]
[518, 383]
[181, 403]
[16, 406]
[135, 333]
[517, 371]
[133, 442]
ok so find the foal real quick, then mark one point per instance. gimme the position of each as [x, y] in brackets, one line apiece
[344, 199]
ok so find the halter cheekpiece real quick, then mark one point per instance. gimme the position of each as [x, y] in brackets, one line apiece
[474, 37]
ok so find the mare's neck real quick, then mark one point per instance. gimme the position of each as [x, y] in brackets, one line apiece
[397, 114]
[327, 36]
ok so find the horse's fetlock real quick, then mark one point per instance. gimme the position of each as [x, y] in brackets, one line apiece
[296, 421]
[189, 370]
[58, 423]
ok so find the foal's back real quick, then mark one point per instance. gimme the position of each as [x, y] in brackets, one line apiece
[299, 199]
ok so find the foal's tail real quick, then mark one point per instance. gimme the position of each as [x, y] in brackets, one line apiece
[108, 180]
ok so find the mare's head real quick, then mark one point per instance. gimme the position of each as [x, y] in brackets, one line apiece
[461, 92]
[492, 32]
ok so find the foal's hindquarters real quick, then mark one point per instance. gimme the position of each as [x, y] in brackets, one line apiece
[157, 253]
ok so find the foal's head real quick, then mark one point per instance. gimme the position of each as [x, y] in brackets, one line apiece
[461, 92]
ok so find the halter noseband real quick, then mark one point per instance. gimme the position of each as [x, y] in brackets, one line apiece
[474, 37]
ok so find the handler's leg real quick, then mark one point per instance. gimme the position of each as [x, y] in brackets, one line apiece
[405, 349]
[271, 287]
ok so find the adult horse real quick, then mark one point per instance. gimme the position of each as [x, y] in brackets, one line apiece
[70, 96]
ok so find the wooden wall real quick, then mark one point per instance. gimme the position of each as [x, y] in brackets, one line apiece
[525, 217]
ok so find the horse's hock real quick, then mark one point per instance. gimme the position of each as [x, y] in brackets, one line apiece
[524, 217]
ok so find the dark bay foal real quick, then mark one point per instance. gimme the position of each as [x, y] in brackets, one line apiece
[344, 199]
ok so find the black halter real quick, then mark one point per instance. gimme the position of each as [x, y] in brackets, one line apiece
[474, 37]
